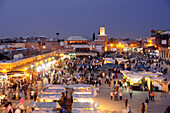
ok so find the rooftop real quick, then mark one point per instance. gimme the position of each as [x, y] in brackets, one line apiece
[76, 38]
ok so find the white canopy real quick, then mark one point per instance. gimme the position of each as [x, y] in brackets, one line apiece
[109, 59]
[157, 85]
[85, 111]
[50, 96]
[47, 105]
[121, 60]
[78, 96]
[80, 105]
[79, 86]
[45, 111]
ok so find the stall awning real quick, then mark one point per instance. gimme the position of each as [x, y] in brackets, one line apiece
[85, 105]
[47, 105]
[50, 96]
[79, 96]
[45, 111]
[85, 111]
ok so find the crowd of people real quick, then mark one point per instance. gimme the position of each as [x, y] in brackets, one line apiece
[80, 70]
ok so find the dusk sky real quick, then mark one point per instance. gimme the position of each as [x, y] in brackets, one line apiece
[123, 18]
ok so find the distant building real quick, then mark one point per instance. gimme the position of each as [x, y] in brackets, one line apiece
[77, 43]
[162, 39]
[101, 42]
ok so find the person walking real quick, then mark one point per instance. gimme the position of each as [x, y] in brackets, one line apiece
[120, 95]
[143, 108]
[147, 101]
[126, 102]
[152, 96]
[111, 94]
[130, 92]
[31, 94]
[115, 94]
[9, 109]
[129, 109]
[146, 108]
[167, 110]
[149, 94]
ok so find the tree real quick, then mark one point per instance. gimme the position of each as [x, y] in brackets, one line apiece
[93, 37]
[57, 34]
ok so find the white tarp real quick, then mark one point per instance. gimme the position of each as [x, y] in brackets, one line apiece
[157, 85]
[79, 96]
[85, 111]
[50, 96]
[109, 59]
[80, 105]
[121, 60]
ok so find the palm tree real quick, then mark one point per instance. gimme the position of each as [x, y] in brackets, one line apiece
[57, 34]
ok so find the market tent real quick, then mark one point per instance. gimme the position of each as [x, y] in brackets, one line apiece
[140, 66]
[45, 111]
[80, 105]
[47, 85]
[47, 105]
[77, 96]
[82, 98]
[159, 73]
[50, 96]
[82, 91]
[120, 60]
[157, 85]
[159, 79]
[79, 86]
[109, 60]
[85, 111]
[57, 87]
[52, 91]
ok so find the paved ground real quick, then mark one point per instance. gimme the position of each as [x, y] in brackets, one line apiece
[108, 106]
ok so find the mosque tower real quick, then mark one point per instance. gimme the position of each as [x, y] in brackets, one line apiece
[103, 36]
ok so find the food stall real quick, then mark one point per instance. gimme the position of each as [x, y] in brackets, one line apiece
[85, 106]
[46, 111]
[85, 111]
[120, 60]
[53, 91]
[155, 81]
[45, 105]
[83, 86]
[82, 91]
[82, 98]
[48, 97]
[108, 60]
[54, 86]
[133, 78]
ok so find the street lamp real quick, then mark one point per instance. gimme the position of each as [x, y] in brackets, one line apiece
[4, 70]
[25, 68]
[44, 47]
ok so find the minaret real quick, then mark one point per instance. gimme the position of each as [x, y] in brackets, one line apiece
[103, 36]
